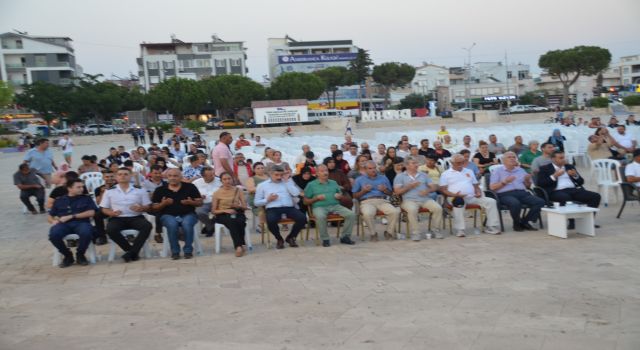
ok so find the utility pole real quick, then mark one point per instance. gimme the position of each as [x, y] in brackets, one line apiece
[506, 67]
[466, 84]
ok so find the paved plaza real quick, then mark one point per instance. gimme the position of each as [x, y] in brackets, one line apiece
[513, 291]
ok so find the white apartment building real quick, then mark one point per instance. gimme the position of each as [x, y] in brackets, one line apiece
[25, 59]
[190, 60]
[289, 55]
[630, 69]
[428, 78]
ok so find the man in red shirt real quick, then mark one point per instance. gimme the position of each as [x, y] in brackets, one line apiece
[242, 142]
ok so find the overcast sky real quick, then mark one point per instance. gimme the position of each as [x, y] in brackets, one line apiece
[107, 33]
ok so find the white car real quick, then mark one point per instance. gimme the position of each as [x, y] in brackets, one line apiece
[466, 110]
[536, 108]
[98, 129]
[519, 109]
[39, 130]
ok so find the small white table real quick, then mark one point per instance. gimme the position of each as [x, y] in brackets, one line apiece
[557, 220]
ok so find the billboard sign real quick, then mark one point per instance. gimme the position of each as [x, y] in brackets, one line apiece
[281, 115]
[318, 58]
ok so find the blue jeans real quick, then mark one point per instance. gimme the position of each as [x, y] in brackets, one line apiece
[83, 229]
[172, 223]
[275, 214]
[514, 201]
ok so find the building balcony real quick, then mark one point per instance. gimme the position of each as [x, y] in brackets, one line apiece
[65, 81]
[14, 65]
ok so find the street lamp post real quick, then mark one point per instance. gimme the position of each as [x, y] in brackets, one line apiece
[466, 81]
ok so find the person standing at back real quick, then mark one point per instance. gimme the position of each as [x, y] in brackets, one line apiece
[222, 157]
[40, 159]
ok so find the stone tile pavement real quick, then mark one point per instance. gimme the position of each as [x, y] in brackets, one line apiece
[513, 291]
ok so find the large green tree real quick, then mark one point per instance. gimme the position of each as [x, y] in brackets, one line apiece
[360, 68]
[230, 92]
[94, 99]
[6, 94]
[412, 101]
[334, 77]
[296, 85]
[568, 65]
[178, 96]
[50, 101]
[392, 75]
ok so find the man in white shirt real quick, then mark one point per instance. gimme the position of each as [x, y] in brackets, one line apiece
[301, 158]
[351, 155]
[277, 196]
[632, 170]
[625, 142]
[377, 156]
[462, 188]
[124, 205]
[207, 185]
[403, 149]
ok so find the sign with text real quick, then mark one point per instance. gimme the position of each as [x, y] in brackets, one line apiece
[324, 57]
[500, 98]
[281, 115]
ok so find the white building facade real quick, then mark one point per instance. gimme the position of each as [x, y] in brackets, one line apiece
[25, 59]
[197, 60]
[289, 55]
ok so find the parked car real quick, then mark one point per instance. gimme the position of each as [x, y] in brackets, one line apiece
[117, 129]
[40, 130]
[536, 108]
[230, 123]
[466, 110]
[519, 109]
[98, 129]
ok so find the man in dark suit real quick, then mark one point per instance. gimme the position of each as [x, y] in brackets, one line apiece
[563, 183]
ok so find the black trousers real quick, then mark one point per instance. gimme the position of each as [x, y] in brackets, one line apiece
[275, 214]
[139, 223]
[99, 219]
[591, 199]
[236, 227]
[32, 192]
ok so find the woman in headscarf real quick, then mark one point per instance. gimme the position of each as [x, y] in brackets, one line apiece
[301, 181]
[343, 181]
[341, 164]
[557, 140]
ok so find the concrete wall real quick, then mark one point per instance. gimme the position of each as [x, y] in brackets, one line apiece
[486, 116]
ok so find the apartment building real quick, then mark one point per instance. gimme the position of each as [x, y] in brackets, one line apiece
[290, 55]
[190, 60]
[25, 59]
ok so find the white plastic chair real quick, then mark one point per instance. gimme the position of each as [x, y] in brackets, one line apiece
[146, 248]
[572, 151]
[166, 246]
[91, 251]
[220, 229]
[605, 169]
[92, 180]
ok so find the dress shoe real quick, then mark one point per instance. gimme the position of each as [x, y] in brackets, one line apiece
[527, 226]
[67, 261]
[374, 237]
[280, 244]
[596, 226]
[81, 260]
[326, 243]
[34, 212]
[188, 255]
[127, 257]
[388, 236]
[175, 256]
[43, 211]
[347, 240]
[135, 257]
[292, 242]
[102, 240]
[518, 228]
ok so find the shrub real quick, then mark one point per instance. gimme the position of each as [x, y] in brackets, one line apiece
[633, 100]
[194, 124]
[7, 142]
[600, 102]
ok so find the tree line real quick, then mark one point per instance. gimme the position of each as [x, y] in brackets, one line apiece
[89, 98]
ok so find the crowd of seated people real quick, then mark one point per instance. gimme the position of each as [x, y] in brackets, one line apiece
[173, 187]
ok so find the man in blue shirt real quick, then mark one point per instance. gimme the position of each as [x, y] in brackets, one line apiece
[276, 195]
[372, 190]
[40, 159]
[70, 215]
[510, 182]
